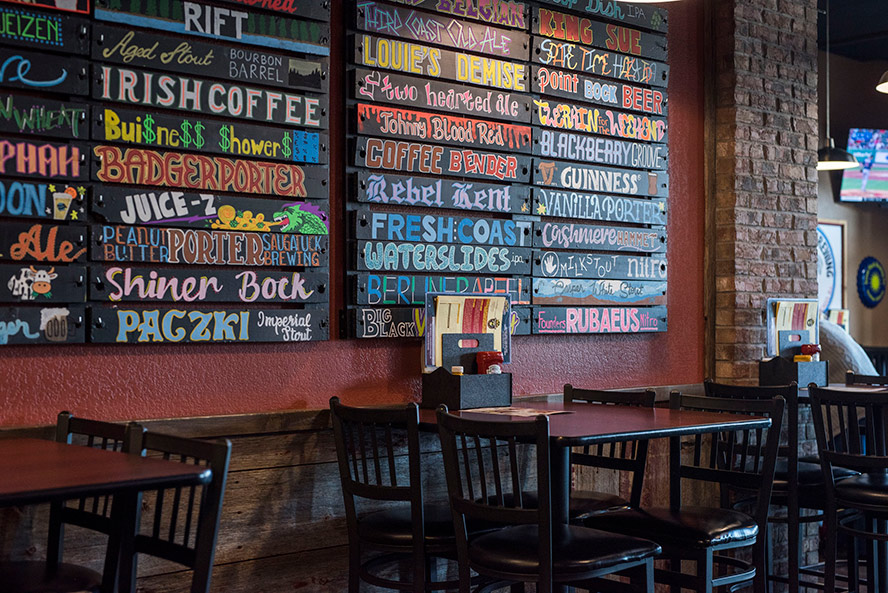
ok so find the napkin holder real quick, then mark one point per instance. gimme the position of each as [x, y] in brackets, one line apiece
[470, 390]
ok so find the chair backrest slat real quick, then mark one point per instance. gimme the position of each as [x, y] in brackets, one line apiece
[852, 378]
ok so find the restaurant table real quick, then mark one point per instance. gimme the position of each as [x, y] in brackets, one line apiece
[34, 471]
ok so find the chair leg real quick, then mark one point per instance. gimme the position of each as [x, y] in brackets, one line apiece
[759, 553]
[793, 540]
[517, 588]
[642, 577]
[354, 567]
[704, 572]
[829, 550]
[675, 566]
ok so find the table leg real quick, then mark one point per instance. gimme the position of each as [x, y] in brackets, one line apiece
[125, 518]
[559, 468]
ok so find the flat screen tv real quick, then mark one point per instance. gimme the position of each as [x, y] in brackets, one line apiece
[869, 182]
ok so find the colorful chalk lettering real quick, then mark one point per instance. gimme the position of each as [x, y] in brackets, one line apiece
[112, 243]
[33, 71]
[408, 289]
[595, 120]
[311, 9]
[427, 228]
[437, 29]
[42, 284]
[195, 18]
[42, 243]
[78, 6]
[153, 89]
[565, 291]
[597, 62]
[382, 256]
[571, 204]
[44, 32]
[25, 199]
[638, 15]
[387, 322]
[603, 151]
[579, 29]
[46, 160]
[126, 284]
[576, 87]
[592, 178]
[390, 122]
[554, 264]
[20, 114]
[136, 166]
[598, 320]
[171, 326]
[46, 325]
[505, 13]
[431, 192]
[568, 235]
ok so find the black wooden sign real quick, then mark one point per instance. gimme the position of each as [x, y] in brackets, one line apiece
[571, 204]
[440, 29]
[637, 15]
[113, 243]
[599, 120]
[46, 160]
[554, 264]
[409, 322]
[309, 9]
[599, 62]
[167, 91]
[411, 289]
[592, 178]
[32, 199]
[592, 32]
[35, 71]
[384, 256]
[603, 151]
[46, 325]
[576, 87]
[168, 326]
[42, 243]
[434, 192]
[152, 49]
[41, 284]
[125, 283]
[396, 89]
[422, 126]
[578, 291]
[428, 228]
[138, 166]
[503, 13]
[598, 320]
[227, 24]
[183, 132]
[434, 62]
[130, 205]
[23, 114]
[568, 235]
[43, 31]
[428, 159]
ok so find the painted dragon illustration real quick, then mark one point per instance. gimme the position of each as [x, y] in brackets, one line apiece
[302, 218]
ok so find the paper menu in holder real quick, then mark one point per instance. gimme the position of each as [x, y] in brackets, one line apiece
[791, 315]
[465, 314]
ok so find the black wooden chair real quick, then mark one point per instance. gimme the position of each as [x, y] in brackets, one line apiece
[181, 524]
[742, 459]
[628, 457]
[93, 513]
[852, 378]
[484, 462]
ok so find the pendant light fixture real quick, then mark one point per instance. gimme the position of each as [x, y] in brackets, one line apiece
[882, 87]
[830, 158]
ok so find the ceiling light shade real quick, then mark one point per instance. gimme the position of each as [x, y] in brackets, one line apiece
[830, 158]
[882, 87]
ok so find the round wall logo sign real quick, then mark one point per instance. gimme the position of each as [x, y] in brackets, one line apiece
[870, 282]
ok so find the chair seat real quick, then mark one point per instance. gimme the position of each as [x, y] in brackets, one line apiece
[394, 527]
[699, 527]
[866, 490]
[31, 577]
[582, 502]
[575, 550]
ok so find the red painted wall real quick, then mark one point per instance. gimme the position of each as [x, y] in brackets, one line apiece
[121, 382]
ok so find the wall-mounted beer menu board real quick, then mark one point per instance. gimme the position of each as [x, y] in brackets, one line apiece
[164, 171]
[510, 148]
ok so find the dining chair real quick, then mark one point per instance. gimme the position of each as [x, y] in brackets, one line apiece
[487, 464]
[627, 458]
[710, 536]
[852, 378]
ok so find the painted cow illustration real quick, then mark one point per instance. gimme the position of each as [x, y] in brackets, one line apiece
[32, 283]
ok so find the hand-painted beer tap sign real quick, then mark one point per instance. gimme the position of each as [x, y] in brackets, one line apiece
[597, 62]
[40, 284]
[570, 204]
[592, 178]
[579, 29]
[563, 291]
[560, 235]
[205, 135]
[130, 47]
[35, 71]
[603, 151]
[598, 320]
[54, 201]
[189, 210]
[47, 325]
[372, 85]
[376, 289]
[570, 85]
[553, 264]
[416, 228]
[382, 256]
[206, 248]
[388, 322]
[434, 192]
[504, 13]
[125, 284]
[43, 32]
[81, 6]
[21, 114]
[42, 243]
[412, 157]
[152, 89]
[597, 120]
[310, 9]
[433, 62]
[637, 15]
[169, 326]
[437, 29]
[136, 166]
[390, 122]
[227, 24]
[46, 160]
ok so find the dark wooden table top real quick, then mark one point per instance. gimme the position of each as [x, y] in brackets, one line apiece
[583, 424]
[34, 471]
